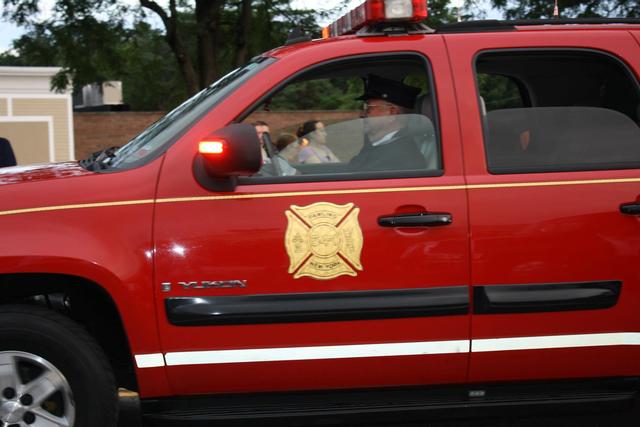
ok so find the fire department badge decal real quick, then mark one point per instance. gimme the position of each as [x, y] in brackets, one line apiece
[323, 240]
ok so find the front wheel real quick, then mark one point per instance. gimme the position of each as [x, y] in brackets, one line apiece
[52, 372]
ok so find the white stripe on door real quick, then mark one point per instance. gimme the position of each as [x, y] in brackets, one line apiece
[316, 352]
[149, 360]
[385, 350]
[555, 341]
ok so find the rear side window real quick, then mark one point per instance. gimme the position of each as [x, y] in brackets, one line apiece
[499, 92]
[553, 111]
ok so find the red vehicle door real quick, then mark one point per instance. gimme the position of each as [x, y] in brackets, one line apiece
[554, 187]
[297, 282]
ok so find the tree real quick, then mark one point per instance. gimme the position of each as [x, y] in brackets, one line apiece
[516, 9]
[206, 37]
[440, 12]
[90, 46]
[136, 56]
[150, 79]
[96, 40]
[84, 44]
[220, 26]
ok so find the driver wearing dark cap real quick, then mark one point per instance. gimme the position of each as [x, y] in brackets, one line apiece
[388, 142]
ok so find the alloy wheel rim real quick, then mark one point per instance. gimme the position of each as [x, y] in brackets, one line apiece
[33, 392]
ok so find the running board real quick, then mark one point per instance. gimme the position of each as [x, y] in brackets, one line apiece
[355, 406]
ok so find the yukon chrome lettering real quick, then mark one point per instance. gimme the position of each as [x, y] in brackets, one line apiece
[206, 284]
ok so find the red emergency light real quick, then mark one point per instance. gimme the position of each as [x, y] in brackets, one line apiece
[211, 147]
[377, 11]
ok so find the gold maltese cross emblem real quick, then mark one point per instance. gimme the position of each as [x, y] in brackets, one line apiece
[323, 240]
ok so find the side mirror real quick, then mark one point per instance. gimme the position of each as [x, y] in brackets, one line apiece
[226, 154]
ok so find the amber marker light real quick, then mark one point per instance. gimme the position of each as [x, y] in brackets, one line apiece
[211, 147]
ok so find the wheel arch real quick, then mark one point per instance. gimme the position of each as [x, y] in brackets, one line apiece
[83, 300]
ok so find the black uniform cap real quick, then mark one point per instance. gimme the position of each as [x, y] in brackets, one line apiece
[393, 91]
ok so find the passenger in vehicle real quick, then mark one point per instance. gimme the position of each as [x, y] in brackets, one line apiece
[284, 140]
[289, 146]
[7, 158]
[389, 143]
[275, 164]
[316, 151]
[262, 128]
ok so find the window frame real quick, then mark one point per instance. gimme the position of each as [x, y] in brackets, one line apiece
[624, 66]
[356, 176]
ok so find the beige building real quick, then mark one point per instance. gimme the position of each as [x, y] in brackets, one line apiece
[37, 121]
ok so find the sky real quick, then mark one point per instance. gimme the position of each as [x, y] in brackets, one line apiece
[9, 32]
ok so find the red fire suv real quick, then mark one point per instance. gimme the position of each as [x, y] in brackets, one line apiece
[455, 224]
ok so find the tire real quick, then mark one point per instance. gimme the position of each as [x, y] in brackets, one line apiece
[52, 370]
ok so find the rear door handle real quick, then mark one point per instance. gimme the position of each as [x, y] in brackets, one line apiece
[425, 219]
[630, 208]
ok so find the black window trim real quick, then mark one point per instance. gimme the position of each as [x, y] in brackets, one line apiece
[360, 176]
[557, 168]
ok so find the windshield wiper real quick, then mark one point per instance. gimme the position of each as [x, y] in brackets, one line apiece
[100, 159]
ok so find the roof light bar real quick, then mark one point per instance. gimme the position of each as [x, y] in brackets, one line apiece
[377, 11]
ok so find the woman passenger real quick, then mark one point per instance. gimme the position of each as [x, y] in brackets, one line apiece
[316, 150]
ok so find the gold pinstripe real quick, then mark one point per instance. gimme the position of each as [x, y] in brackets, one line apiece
[312, 193]
[79, 206]
[319, 193]
[554, 183]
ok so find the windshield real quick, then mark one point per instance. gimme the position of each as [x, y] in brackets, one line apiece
[159, 136]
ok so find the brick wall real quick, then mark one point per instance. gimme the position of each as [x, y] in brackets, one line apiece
[95, 131]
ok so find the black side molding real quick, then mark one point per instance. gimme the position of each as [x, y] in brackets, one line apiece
[500, 299]
[318, 306]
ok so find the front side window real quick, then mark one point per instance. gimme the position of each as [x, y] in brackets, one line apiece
[553, 111]
[354, 119]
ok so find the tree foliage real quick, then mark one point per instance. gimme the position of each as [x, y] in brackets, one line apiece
[136, 56]
[226, 33]
[521, 9]
[190, 43]
[440, 12]
[499, 92]
[93, 39]
[89, 45]
[321, 94]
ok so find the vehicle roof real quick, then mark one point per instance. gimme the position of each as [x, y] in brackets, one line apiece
[286, 49]
[484, 26]
[494, 25]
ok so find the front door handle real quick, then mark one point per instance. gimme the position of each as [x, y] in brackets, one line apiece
[630, 208]
[424, 219]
